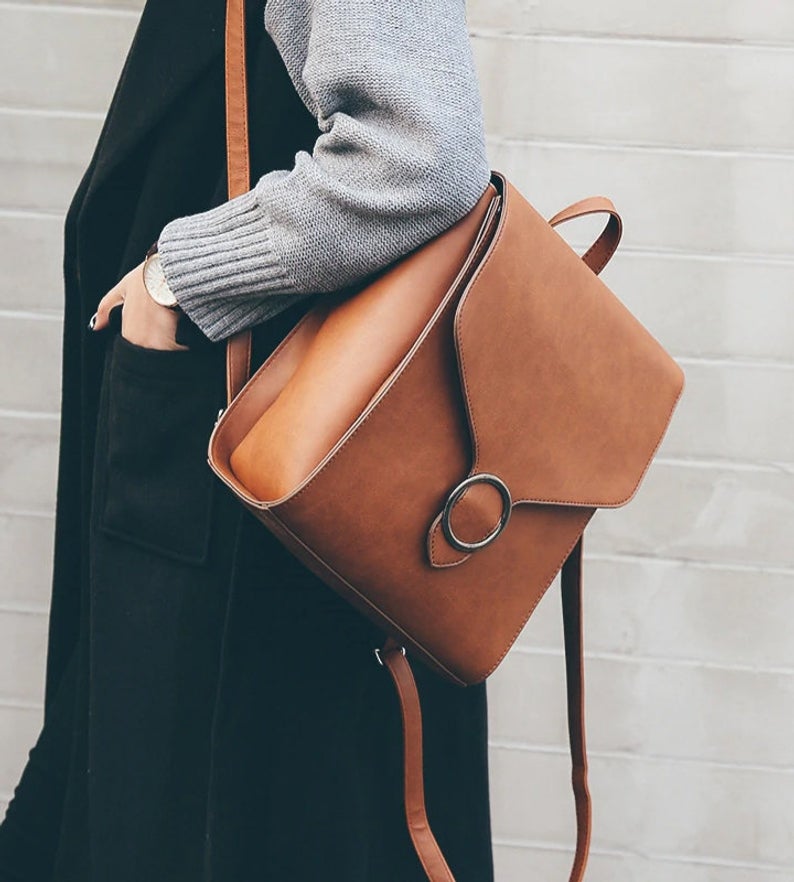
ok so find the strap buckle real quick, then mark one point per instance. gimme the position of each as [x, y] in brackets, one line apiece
[378, 656]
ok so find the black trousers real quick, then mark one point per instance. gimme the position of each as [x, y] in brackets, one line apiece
[239, 726]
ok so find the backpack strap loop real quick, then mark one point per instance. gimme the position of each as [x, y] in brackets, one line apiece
[600, 252]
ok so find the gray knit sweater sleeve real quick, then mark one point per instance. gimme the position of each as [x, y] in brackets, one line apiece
[400, 156]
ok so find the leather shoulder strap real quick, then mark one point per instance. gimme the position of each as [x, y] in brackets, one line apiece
[392, 656]
[238, 347]
[600, 252]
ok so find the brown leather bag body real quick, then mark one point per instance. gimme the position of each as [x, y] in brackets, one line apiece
[433, 445]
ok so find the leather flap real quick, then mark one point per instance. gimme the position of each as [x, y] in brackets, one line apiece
[568, 396]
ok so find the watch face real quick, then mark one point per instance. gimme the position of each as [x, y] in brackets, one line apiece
[156, 285]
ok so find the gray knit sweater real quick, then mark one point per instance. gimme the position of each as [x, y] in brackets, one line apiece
[400, 156]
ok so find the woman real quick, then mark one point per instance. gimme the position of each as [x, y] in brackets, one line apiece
[213, 711]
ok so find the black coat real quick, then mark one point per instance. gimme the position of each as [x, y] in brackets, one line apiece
[291, 773]
[160, 154]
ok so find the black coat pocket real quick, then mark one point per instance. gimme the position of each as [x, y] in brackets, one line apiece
[161, 408]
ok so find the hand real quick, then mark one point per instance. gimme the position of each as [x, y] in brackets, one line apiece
[143, 321]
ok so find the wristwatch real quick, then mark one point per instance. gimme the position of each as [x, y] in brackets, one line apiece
[154, 279]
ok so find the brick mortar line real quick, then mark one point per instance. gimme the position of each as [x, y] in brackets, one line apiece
[694, 860]
[28, 214]
[72, 9]
[642, 147]
[643, 40]
[722, 362]
[694, 563]
[39, 514]
[56, 112]
[20, 704]
[22, 609]
[733, 257]
[740, 257]
[509, 744]
[43, 415]
[736, 465]
[659, 661]
[49, 316]
[505, 744]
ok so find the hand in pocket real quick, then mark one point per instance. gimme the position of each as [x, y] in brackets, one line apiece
[144, 322]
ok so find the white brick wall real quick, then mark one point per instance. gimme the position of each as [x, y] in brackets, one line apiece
[684, 114]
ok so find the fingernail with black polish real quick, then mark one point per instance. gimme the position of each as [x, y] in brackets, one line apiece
[92, 321]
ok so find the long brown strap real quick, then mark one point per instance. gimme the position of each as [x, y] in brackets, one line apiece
[573, 636]
[238, 170]
[392, 655]
[427, 849]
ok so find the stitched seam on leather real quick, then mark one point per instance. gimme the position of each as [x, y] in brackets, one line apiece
[434, 529]
[228, 145]
[607, 255]
[230, 376]
[433, 557]
[236, 87]
[233, 378]
[586, 257]
[591, 504]
[446, 303]
[602, 264]
[229, 88]
[539, 598]
[592, 248]
[229, 373]
[244, 95]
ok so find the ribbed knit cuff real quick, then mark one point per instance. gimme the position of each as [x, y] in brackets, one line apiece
[222, 268]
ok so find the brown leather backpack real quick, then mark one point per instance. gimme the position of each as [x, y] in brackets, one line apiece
[433, 445]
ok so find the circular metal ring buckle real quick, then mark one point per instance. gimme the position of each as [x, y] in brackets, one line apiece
[454, 496]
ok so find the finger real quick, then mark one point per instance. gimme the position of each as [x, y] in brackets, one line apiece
[100, 318]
